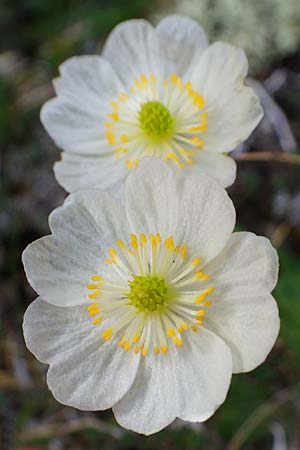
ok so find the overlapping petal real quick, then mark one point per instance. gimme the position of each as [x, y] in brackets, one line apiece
[190, 383]
[195, 209]
[75, 118]
[64, 338]
[184, 41]
[59, 266]
[233, 108]
[243, 312]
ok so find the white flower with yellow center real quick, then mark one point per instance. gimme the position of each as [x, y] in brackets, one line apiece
[161, 92]
[150, 309]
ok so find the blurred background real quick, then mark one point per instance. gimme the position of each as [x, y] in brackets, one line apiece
[263, 408]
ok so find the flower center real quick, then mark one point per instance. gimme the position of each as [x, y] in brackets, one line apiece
[156, 293]
[155, 119]
[148, 293]
[162, 118]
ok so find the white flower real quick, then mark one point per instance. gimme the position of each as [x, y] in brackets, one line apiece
[160, 92]
[150, 309]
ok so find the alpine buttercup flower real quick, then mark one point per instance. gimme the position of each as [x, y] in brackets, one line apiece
[160, 92]
[150, 314]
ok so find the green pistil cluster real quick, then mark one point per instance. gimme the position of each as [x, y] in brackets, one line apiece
[155, 120]
[148, 293]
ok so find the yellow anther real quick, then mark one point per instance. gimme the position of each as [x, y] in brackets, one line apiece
[174, 78]
[169, 243]
[171, 332]
[134, 244]
[110, 137]
[131, 164]
[201, 276]
[164, 348]
[138, 83]
[158, 238]
[166, 83]
[93, 306]
[153, 240]
[121, 244]
[135, 338]
[208, 303]
[184, 326]
[173, 156]
[196, 261]
[127, 346]
[194, 328]
[121, 343]
[177, 341]
[153, 78]
[94, 312]
[204, 294]
[137, 349]
[92, 286]
[189, 86]
[200, 313]
[144, 78]
[133, 237]
[114, 105]
[108, 125]
[144, 351]
[124, 138]
[143, 239]
[98, 320]
[197, 142]
[156, 350]
[112, 253]
[107, 334]
[110, 261]
[96, 278]
[183, 252]
[95, 294]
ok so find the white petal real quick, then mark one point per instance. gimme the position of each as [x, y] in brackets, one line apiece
[51, 330]
[195, 209]
[189, 382]
[233, 108]
[243, 312]
[75, 173]
[75, 118]
[247, 260]
[184, 40]
[60, 266]
[220, 167]
[133, 48]
[248, 321]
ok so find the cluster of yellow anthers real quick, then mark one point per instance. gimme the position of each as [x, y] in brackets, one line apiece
[157, 118]
[149, 303]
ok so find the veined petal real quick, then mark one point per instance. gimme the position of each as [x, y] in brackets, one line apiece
[133, 48]
[59, 266]
[75, 119]
[233, 109]
[248, 321]
[94, 376]
[195, 209]
[247, 260]
[222, 168]
[76, 173]
[50, 331]
[184, 41]
[188, 383]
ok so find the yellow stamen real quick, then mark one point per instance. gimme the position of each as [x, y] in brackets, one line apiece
[96, 321]
[107, 334]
